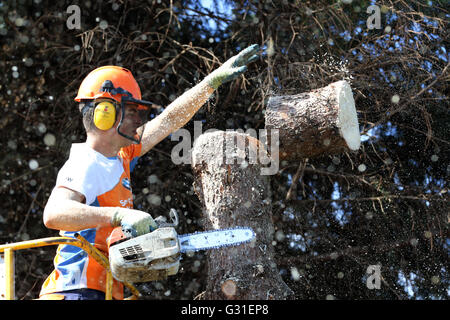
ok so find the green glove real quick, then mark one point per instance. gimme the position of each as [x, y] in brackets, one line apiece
[233, 67]
[133, 222]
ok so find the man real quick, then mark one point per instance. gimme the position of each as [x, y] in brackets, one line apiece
[93, 194]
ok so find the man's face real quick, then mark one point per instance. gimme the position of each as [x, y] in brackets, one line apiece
[134, 118]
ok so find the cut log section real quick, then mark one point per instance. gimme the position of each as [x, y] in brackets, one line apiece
[234, 193]
[311, 124]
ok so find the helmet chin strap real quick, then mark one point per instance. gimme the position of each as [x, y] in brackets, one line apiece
[133, 139]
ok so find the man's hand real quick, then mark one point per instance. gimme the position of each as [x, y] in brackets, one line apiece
[135, 222]
[233, 67]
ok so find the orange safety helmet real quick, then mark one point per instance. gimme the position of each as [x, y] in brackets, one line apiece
[116, 84]
[91, 87]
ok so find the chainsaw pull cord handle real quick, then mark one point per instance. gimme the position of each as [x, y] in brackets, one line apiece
[161, 220]
[173, 217]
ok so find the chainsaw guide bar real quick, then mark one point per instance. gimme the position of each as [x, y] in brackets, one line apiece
[215, 239]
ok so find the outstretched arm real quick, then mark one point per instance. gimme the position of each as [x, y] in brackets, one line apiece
[180, 111]
[175, 116]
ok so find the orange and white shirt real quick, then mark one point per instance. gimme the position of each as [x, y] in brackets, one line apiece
[104, 182]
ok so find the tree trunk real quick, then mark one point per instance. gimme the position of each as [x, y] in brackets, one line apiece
[323, 121]
[234, 193]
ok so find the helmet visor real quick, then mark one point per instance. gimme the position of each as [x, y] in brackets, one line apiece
[135, 114]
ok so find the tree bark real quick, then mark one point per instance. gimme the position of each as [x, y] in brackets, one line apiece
[323, 121]
[234, 193]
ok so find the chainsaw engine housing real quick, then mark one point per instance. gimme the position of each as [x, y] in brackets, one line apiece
[152, 256]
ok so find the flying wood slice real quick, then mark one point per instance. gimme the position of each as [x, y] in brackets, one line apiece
[311, 124]
[234, 193]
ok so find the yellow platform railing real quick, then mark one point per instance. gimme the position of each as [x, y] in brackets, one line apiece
[80, 242]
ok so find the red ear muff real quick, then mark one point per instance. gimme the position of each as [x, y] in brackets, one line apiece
[105, 115]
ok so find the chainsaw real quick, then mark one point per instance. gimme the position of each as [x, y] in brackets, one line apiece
[156, 255]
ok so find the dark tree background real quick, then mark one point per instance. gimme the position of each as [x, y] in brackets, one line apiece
[385, 205]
